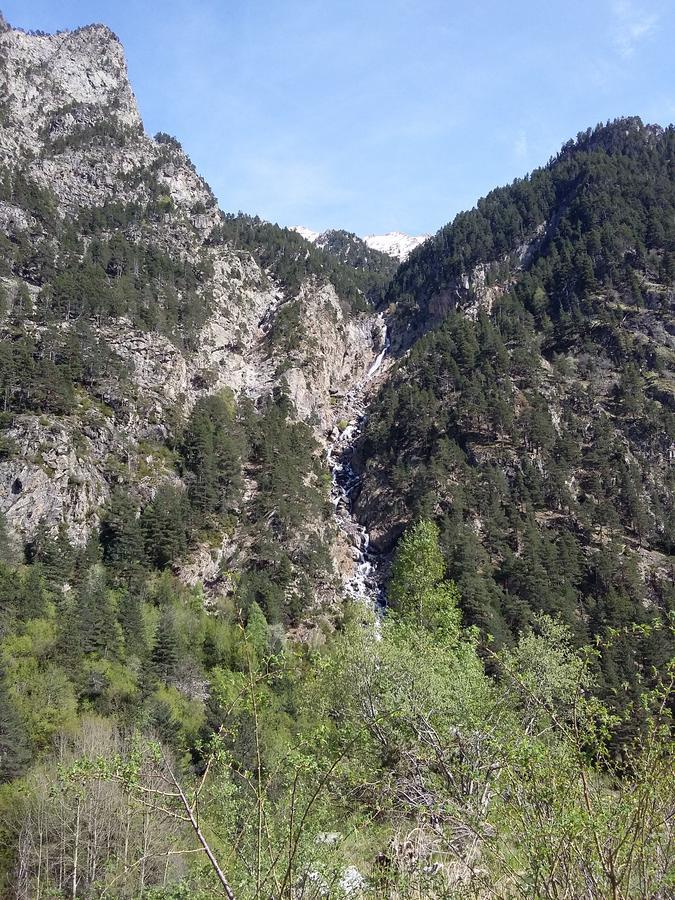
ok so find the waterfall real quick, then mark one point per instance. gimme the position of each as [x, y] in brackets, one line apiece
[365, 583]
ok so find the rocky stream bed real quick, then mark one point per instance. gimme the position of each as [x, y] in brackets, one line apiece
[366, 581]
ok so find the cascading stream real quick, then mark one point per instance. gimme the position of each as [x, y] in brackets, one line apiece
[366, 581]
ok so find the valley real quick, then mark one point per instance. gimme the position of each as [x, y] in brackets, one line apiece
[330, 567]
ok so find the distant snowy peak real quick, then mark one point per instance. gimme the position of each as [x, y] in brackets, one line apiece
[395, 243]
[307, 233]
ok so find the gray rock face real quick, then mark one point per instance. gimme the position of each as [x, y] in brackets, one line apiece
[64, 73]
[472, 291]
[70, 114]
[336, 353]
[14, 220]
[55, 476]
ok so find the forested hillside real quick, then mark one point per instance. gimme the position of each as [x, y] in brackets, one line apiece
[355, 252]
[127, 301]
[599, 215]
[152, 747]
[359, 274]
[536, 423]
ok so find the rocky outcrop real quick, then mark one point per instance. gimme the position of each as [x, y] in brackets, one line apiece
[55, 475]
[335, 353]
[71, 119]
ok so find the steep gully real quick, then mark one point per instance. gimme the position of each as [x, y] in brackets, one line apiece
[366, 582]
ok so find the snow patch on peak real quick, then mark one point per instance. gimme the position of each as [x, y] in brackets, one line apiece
[307, 233]
[395, 243]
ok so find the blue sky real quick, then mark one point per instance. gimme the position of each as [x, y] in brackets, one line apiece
[378, 115]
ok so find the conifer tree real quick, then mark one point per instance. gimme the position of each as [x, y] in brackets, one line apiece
[212, 448]
[33, 602]
[165, 654]
[55, 555]
[132, 624]
[90, 554]
[122, 536]
[164, 524]
[14, 750]
[98, 627]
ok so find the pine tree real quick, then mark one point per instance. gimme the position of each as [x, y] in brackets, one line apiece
[14, 749]
[34, 602]
[165, 654]
[200, 459]
[132, 624]
[90, 554]
[212, 449]
[99, 630]
[164, 524]
[122, 536]
[55, 555]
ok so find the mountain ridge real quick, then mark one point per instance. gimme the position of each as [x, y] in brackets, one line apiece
[278, 284]
[531, 409]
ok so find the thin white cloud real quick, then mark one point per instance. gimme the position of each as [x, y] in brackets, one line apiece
[285, 188]
[520, 146]
[632, 25]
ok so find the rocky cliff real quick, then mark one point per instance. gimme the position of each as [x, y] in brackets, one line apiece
[113, 233]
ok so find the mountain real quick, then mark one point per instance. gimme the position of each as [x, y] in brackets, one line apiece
[394, 244]
[532, 410]
[306, 233]
[129, 299]
[325, 574]
[354, 252]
